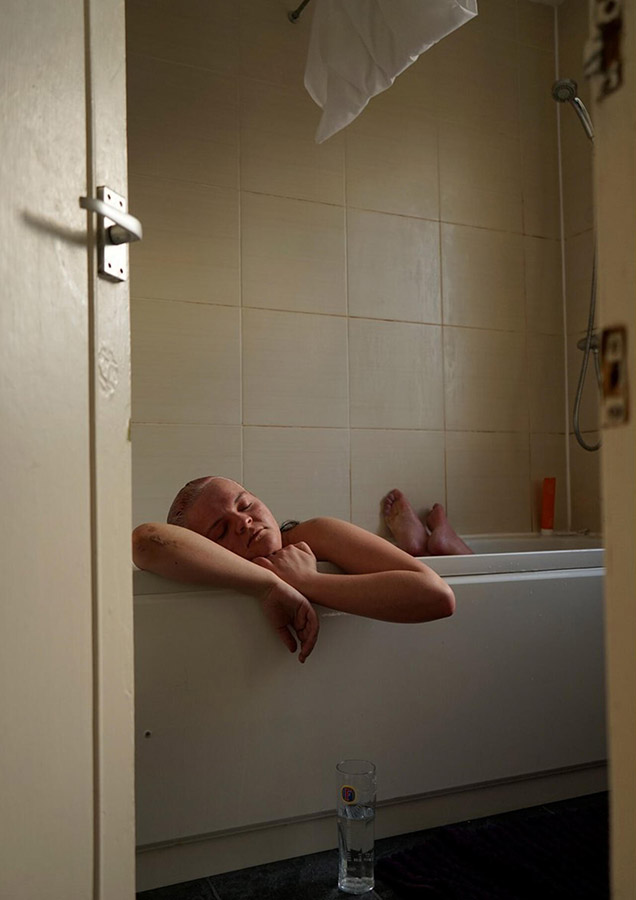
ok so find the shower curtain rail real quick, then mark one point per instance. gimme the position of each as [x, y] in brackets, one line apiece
[294, 14]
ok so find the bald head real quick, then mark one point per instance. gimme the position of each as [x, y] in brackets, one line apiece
[188, 495]
[222, 510]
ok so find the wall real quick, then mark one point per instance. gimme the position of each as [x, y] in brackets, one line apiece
[327, 322]
[578, 220]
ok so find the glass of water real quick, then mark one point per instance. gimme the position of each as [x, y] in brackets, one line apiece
[356, 820]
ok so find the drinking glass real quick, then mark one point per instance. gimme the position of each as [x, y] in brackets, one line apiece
[356, 783]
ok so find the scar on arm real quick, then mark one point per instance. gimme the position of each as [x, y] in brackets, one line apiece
[154, 537]
[157, 539]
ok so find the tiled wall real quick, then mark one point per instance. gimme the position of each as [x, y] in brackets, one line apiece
[578, 213]
[327, 322]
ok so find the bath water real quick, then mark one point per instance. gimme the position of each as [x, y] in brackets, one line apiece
[355, 841]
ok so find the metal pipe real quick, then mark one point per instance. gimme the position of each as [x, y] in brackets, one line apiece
[294, 15]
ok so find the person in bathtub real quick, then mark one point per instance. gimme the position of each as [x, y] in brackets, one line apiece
[221, 535]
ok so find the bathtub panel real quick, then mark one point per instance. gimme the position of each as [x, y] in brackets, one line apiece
[241, 734]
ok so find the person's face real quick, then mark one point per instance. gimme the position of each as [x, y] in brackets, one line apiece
[230, 516]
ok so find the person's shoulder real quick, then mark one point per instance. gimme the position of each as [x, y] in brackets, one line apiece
[310, 530]
[320, 523]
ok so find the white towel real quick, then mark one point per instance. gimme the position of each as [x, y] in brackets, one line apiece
[357, 48]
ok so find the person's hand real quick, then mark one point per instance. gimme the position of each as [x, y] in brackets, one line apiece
[295, 564]
[286, 609]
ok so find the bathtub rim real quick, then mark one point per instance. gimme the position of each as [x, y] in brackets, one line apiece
[589, 556]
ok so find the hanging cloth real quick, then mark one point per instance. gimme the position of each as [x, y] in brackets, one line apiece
[357, 48]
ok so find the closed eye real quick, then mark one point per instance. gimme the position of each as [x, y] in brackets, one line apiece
[213, 532]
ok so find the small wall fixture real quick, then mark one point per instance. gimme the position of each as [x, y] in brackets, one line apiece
[294, 15]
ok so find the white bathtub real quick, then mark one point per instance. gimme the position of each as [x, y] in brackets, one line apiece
[499, 707]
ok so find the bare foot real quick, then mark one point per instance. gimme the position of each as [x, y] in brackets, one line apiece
[403, 523]
[442, 540]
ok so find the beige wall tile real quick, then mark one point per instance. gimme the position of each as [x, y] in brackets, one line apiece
[540, 186]
[572, 17]
[393, 264]
[586, 485]
[496, 18]
[546, 383]
[299, 472]
[185, 363]
[413, 93]
[488, 482]
[485, 380]
[279, 108]
[294, 369]
[538, 108]
[391, 155]
[547, 460]
[271, 47]
[389, 174]
[190, 249]
[395, 375]
[182, 122]
[589, 413]
[165, 457]
[278, 152]
[539, 147]
[293, 254]
[572, 22]
[412, 461]
[483, 100]
[535, 24]
[480, 177]
[579, 260]
[197, 33]
[577, 194]
[482, 277]
[416, 88]
[576, 147]
[544, 289]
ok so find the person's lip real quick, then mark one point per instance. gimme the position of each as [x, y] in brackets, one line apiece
[255, 535]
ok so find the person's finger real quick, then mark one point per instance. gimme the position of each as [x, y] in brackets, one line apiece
[308, 634]
[263, 562]
[287, 637]
[304, 547]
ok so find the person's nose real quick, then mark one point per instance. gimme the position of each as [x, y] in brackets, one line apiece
[243, 521]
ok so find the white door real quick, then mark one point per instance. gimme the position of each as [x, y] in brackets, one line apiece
[615, 184]
[66, 761]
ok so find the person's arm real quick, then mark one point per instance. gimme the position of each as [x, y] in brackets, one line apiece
[383, 582]
[183, 555]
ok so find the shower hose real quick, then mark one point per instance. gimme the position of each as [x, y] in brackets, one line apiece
[588, 344]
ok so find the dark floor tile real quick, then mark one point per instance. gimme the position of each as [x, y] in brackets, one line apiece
[187, 890]
[314, 877]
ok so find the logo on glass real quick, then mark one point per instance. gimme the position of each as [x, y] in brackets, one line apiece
[348, 793]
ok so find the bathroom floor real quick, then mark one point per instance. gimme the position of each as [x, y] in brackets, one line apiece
[518, 843]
